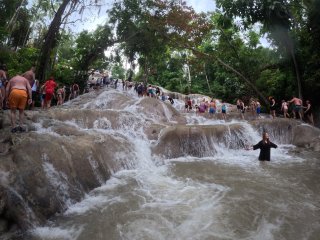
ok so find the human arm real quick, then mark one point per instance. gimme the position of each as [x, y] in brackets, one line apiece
[3, 75]
[273, 145]
[8, 88]
[29, 91]
[255, 147]
[307, 108]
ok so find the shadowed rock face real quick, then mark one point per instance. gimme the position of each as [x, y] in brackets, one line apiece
[198, 141]
[70, 150]
[280, 130]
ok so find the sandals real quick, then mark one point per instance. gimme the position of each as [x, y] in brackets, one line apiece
[21, 129]
[18, 129]
[14, 130]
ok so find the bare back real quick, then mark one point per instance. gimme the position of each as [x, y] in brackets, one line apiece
[296, 101]
[19, 82]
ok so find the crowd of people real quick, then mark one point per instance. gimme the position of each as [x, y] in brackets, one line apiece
[293, 108]
[288, 109]
[25, 90]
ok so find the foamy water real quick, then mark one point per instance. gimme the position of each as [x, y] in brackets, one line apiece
[230, 195]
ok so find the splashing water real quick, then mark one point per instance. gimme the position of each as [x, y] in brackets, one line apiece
[230, 195]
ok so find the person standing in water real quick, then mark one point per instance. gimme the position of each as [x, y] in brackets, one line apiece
[308, 112]
[273, 108]
[265, 145]
[18, 93]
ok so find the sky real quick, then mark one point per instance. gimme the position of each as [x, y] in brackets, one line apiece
[202, 5]
[93, 21]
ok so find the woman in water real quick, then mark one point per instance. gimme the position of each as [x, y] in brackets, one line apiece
[265, 145]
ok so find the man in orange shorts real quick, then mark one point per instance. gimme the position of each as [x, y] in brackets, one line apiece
[18, 93]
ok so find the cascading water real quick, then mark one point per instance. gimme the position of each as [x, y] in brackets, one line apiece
[223, 194]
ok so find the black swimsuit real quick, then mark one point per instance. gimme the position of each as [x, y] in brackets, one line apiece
[309, 111]
[264, 150]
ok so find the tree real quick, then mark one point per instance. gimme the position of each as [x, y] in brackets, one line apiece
[276, 18]
[65, 9]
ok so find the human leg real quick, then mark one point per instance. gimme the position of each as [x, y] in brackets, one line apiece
[13, 117]
[310, 119]
[21, 117]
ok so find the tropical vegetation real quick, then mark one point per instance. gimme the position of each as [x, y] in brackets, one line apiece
[244, 49]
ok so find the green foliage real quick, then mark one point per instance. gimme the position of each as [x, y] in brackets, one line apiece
[117, 71]
[275, 83]
[20, 61]
[7, 10]
[90, 48]
[166, 36]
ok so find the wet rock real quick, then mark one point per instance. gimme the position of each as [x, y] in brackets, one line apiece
[198, 141]
[280, 130]
[306, 135]
[153, 131]
[160, 111]
[71, 149]
[14, 210]
[315, 144]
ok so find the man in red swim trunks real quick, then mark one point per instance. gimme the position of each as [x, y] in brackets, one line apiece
[49, 87]
[18, 93]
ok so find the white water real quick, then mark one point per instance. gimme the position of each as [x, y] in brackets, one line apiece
[228, 196]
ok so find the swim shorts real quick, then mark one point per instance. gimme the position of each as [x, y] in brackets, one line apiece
[18, 99]
[297, 108]
[258, 110]
[48, 97]
[34, 96]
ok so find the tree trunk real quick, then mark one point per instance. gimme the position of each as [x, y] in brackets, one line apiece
[48, 44]
[297, 72]
[189, 78]
[205, 73]
[290, 49]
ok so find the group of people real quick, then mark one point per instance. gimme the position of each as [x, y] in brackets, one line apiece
[24, 90]
[289, 109]
[298, 109]
[152, 92]
[16, 93]
[206, 106]
[97, 80]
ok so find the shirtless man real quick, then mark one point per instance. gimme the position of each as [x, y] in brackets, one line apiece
[297, 106]
[30, 75]
[18, 92]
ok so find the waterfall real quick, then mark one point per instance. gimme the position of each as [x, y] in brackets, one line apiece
[118, 166]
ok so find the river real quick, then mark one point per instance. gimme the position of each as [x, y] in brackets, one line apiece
[230, 195]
